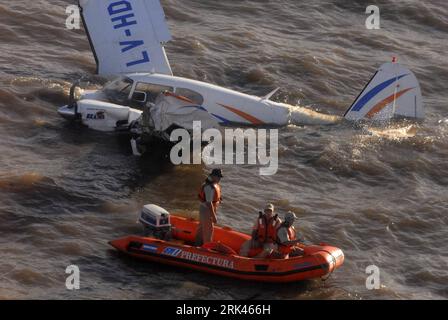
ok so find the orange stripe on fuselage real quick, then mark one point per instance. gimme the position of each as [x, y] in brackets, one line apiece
[380, 106]
[182, 98]
[244, 115]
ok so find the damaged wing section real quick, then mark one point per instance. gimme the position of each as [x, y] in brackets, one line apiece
[169, 110]
[127, 36]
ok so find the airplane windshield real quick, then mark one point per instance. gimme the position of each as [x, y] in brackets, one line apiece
[118, 91]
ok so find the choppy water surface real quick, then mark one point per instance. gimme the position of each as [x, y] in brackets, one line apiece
[380, 194]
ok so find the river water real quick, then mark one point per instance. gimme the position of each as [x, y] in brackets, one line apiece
[380, 194]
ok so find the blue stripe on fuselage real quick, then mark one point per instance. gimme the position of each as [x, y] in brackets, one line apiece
[221, 119]
[372, 93]
[197, 107]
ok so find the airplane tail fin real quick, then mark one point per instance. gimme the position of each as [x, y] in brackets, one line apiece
[127, 36]
[393, 91]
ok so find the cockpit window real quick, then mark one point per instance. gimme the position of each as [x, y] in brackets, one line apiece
[118, 91]
[195, 97]
[152, 90]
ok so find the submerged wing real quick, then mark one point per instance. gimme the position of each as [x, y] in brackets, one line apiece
[127, 36]
[393, 91]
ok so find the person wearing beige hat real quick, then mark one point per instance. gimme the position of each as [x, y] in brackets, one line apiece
[210, 198]
[264, 233]
[287, 242]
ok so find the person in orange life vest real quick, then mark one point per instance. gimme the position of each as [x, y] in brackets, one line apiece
[210, 198]
[286, 239]
[264, 234]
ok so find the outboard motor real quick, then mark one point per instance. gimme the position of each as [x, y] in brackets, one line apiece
[156, 222]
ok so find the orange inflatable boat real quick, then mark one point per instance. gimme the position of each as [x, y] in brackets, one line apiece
[221, 257]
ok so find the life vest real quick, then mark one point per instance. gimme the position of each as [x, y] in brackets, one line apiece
[292, 233]
[217, 194]
[286, 249]
[267, 230]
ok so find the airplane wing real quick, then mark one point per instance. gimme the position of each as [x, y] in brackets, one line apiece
[127, 36]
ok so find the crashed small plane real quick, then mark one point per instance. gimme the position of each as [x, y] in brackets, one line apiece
[127, 38]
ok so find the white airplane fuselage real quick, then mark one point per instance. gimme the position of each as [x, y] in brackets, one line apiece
[227, 106]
